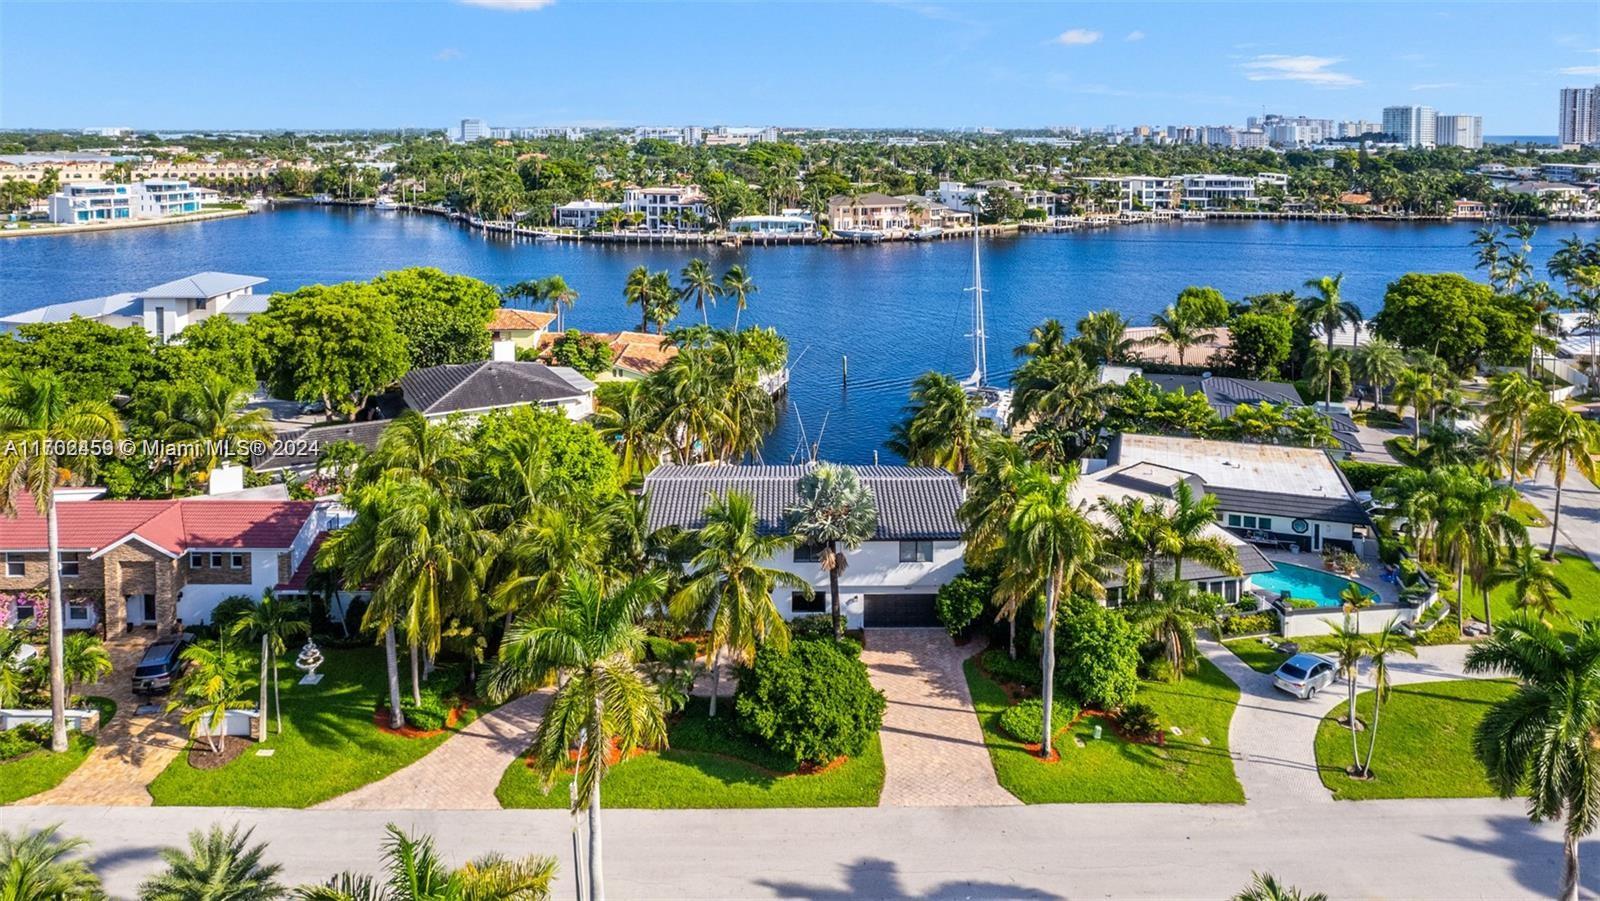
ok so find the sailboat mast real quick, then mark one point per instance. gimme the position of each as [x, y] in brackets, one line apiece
[980, 342]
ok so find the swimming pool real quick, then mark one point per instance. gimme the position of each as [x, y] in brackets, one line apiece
[1306, 583]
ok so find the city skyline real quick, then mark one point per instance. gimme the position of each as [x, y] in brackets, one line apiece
[842, 65]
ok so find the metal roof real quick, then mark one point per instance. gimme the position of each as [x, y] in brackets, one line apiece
[125, 304]
[203, 285]
[913, 503]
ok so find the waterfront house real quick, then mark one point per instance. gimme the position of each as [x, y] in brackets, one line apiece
[93, 202]
[1468, 209]
[1138, 192]
[788, 222]
[164, 310]
[472, 389]
[1268, 494]
[149, 564]
[1225, 394]
[667, 207]
[872, 211]
[925, 212]
[891, 580]
[523, 328]
[581, 214]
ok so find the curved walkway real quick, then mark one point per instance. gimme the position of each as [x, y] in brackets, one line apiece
[933, 750]
[460, 774]
[1273, 734]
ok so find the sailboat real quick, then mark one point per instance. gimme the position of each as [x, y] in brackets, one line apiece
[994, 401]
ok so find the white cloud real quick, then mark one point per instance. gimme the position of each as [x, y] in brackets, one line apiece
[447, 54]
[1310, 69]
[1435, 86]
[1135, 35]
[1077, 37]
[516, 6]
[1581, 70]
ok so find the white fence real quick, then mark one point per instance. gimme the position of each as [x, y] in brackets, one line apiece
[238, 723]
[84, 720]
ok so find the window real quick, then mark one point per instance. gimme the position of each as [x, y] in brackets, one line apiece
[813, 602]
[1266, 524]
[196, 559]
[216, 561]
[1234, 520]
[916, 552]
[806, 553]
[77, 613]
[15, 565]
[236, 561]
[69, 566]
[26, 611]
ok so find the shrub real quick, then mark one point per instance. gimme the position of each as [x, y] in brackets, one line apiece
[1139, 721]
[433, 713]
[24, 739]
[1160, 669]
[1294, 603]
[1097, 656]
[1443, 633]
[1024, 720]
[228, 611]
[811, 626]
[1365, 476]
[1250, 624]
[961, 601]
[1022, 671]
[813, 703]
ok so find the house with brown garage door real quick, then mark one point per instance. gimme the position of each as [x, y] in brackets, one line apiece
[131, 565]
[891, 580]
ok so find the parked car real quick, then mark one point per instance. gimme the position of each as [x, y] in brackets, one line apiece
[1303, 675]
[162, 662]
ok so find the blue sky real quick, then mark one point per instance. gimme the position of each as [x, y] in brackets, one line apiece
[911, 63]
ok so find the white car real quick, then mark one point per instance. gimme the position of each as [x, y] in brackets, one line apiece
[1303, 675]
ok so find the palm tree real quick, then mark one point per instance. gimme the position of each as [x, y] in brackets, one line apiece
[1541, 740]
[986, 512]
[636, 290]
[37, 422]
[729, 589]
[835, 513]
[1169, 618]
[1378, 363]
[1175, 329]
[1513, 397]
[355, 552]
[1419, 391]
[1563, 440]
[1266, 887]
[555, 291]
[528, 290]
[1534, 582]
[272, 619]
[1045, 339]
[1104, 334]
[218, 866]
[1051, 547]
[415, 872]
[1387, 641]
[629, 419]
[1064, 390]
[1349, 647]
[85, 660]
[1326, 309]
[737, 284]
[940, 425]
[413, 447]
[663, 304]
[607, 705]
[1324, 366]
[1475, 524]
[209, 687]
[700, 284]
[16, 675]
[34, 866]
[212, 417]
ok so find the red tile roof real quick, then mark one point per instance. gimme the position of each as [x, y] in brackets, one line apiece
[175, 526]
[506, 319]
[302, 573]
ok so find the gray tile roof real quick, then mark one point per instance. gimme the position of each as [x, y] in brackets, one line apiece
[912, 503]
[1289, 506]
[299, 449]
[1251, 561]
[488, 384]
[1226, 393]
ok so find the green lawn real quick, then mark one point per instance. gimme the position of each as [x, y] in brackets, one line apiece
[23, 777]
[1580, 576]
[1528, 514]
[710, 763]
[1186, 770]
[1424, 742]
[1263, 659]
[329, 744]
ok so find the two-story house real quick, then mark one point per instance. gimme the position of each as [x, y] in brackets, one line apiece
[149, 564]
[891, 580]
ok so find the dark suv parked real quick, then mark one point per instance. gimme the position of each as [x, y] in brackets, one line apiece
[161, 663]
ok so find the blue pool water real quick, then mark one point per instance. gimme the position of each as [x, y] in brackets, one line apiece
[1306, 583]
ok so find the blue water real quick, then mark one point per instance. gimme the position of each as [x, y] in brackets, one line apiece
[1306, 583]
[895, 309]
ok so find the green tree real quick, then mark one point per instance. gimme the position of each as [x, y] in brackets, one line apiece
[272, 619]
[629, 419]
[1169, 619]
[37, 866]
[38, 426]
[1104, 336]
[1562, 440]
[443, 318]
[607, 703]
[217, 866]
[1513, 398]
[84, 661]
[1379, 364]
[1326, 309]
[1541, 741]
[737, 284]
[1535, 585]
[1175, 329]
[1349, 648]
[211, 684]
[1436, 313]
[940, 425]
[1260, 344]
[214, 426]
[336, 344]
[1204, 306]
[700, 284]
[1326, 367]
[1379, 648]
[555, 291]
[414, 871]
[836, 512]
[587, 354]
[92, 360]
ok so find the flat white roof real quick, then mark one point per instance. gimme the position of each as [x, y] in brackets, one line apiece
[1236, 464]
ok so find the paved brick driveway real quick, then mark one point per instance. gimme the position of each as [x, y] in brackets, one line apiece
[460, 774]
[932, 747]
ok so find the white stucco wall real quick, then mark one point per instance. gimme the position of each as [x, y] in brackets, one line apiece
[195, 602]
[1298, 624]
[874, 568]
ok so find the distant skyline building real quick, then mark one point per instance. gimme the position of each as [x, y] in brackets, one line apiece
[1580, 116]
[1413, 126]
[472, 130]
[1459, 131]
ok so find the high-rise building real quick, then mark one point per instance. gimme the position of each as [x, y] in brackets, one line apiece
[1413, 126]
[1580, 115]
[472, 130]
[1459, 131]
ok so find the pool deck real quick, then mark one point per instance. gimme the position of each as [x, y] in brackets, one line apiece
[1370, 574]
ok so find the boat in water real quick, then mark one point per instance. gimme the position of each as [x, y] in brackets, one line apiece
[859, 234]
[1192, 216]
[544, 238]
[385, 203]
[927, 234]
[994, 402]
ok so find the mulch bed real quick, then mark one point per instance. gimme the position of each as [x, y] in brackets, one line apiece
[201, 758]
[380, 718]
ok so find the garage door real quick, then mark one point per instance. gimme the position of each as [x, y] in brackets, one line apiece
[900, 610]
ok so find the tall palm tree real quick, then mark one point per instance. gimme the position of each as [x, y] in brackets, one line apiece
[1542, 739]
[1380, 646]
[1378, 363]
[729, 589]
[629, 419]
[272, 619]
[1051, 549]
[1513, 397]
[218, 866]
[354, 551]
[737, 284]
[1562, 440]
[555, 291]
[36, 866]
[637, 291]
[1178, 330]
[940, 425]
[1349, 648]
[1104, 334]
[1418, 390]
[414, 871]
[1063, 390]
[1324, 366]
[835, 513]
[212, 418]
[528, 290]
[663, 304]
[1045, 339]
[37, 422]
[986, 512]
[85, 660]
[607, 705]
[1326, 309]
[1475, 525]
[1534, 582]
[413, 447]
[700, 284]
